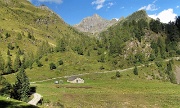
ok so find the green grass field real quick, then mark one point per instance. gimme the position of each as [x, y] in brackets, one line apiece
[100, 90]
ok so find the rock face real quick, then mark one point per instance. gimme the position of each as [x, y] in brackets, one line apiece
[94, 24]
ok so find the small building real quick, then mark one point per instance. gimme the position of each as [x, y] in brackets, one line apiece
[75, 79]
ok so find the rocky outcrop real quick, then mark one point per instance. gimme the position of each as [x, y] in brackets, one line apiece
[94, 24]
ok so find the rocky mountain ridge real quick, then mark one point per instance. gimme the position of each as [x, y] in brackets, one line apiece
[94, 24]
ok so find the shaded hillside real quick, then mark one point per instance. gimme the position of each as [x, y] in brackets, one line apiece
[94, 24]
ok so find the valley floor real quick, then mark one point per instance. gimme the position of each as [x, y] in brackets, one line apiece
[105, 90]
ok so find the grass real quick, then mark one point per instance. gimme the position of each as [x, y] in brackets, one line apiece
[73, 64]
[11, 103]
[99, 90]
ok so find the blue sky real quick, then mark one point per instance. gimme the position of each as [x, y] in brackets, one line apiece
[73, 11]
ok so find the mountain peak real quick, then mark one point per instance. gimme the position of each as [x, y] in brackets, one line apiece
[96, 16]
[94, 24]
[141, 14]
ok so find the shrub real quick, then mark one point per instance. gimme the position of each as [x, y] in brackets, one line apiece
[7, 35]
[39, 64]
[101, 68]
[19, 36]
[60, 62]
[135, 70]
[52, 66]
[118, 74]
[46, 59]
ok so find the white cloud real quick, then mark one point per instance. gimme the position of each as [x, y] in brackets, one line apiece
[53, 1]
[155, 1]
[150, 7]
[177, 6]
[110, 4]
[165, 16]
[99, 3]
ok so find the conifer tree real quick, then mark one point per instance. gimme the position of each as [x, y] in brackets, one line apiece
[5, 87]
[2, 63]
[135, 70]
[61, 47]
[17, 63]
[21, 88]
[170, 73]
[8, 68]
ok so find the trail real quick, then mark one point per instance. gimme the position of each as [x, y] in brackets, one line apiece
[36, 99]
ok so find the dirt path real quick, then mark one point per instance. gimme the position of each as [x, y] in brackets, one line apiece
[36, 99]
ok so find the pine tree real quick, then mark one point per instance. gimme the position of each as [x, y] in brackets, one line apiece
[5, 87]
[2, 63]
[8, 52]
[171, 73]
[17, 63]
[135, 70]
[21, 88]
[8, 68]
[61, 45]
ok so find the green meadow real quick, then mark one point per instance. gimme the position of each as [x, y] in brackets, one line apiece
[102, 90]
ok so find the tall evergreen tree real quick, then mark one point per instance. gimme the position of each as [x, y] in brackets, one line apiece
[17, 63]
[170, 73]
[21, 88]
[5, 87]
[8, 68]
[61, 46]
[178, 22]
[2, 64]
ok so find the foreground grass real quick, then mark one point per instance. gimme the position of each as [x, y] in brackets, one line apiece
[11, 103]
[99, 90]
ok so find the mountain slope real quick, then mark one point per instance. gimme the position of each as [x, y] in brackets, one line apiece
[27, 26]
[94, 24]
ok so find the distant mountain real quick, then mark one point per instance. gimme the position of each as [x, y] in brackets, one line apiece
[94, 24]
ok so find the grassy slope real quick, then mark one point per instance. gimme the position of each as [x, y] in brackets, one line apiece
[102, 91]
[22, 17]
[11, 103]
[73, 64]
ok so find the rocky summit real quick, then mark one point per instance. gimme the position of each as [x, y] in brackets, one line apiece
[94, 24]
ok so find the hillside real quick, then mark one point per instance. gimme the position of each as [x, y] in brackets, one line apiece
[26, 26]
[36, 42]
[94, 24]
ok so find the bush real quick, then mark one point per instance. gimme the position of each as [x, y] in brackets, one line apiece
[46, 59]
[60, 62]
[118, 74]
[19, 36]
[10, 46]
[7, 35]
[39, 64]
[52, 66]
[101, 68]
[135, 71]
[158, 64]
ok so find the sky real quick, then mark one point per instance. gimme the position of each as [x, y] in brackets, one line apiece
[73, 11]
